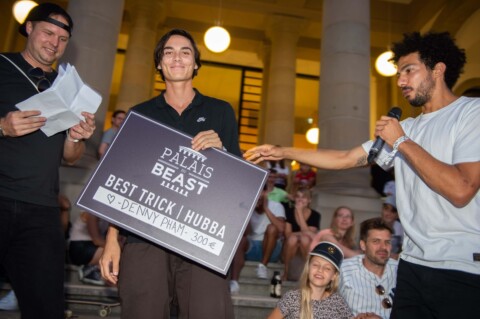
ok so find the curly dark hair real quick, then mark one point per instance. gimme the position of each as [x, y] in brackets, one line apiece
[158, 52]
[433, 48]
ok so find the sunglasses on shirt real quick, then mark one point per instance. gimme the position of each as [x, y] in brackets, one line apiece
[42, 82]
[386, 303]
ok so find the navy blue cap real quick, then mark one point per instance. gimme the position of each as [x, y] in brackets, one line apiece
[330, 252]
[42, 12]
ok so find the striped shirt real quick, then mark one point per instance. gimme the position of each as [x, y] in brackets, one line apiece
[357, 286]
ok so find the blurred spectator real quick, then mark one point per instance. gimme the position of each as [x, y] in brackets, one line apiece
[305, 176]
[341, 232]
[117, 119]
[274, 193]
[389, 188]
[300, 229]
[283, 171]
[262, 241]
[87, 239]
[390, 217]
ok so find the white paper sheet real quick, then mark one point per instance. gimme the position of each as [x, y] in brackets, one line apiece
[63, 103]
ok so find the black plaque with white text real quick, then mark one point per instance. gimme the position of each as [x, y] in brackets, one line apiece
[150, 182]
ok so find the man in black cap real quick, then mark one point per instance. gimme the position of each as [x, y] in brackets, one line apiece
[31, 236]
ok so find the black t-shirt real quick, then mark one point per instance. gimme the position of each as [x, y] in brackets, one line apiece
[203, 114]
[313, 220]
[28, 164]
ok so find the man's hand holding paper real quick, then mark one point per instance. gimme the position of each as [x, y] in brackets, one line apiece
[84, 129]
[65, 104]
[19, 123]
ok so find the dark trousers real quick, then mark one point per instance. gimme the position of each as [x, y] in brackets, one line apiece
[152, 280]
[424, 293]
[32, 251]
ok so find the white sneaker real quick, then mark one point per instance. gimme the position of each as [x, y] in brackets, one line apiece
[262, 271]
[9, 301]
[80, 272]
[234, 287]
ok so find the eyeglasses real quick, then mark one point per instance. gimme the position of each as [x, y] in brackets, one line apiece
[42, 82]
[386, 303]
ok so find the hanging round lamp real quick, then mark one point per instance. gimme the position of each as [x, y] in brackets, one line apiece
[312, 135]
[217, 39]
[384, 66]
[22, 8]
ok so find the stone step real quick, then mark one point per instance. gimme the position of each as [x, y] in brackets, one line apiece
[252, 306]
[261, 287]
[250, 269]
[249, 283]
[252, 302]
[246, 306]
[294, 273]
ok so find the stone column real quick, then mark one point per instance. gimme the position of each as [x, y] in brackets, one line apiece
[283, 31]
[344, 86]
[91, 50]
[138, 69]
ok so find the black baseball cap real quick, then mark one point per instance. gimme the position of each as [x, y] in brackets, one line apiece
[42, 12]
[330, 252]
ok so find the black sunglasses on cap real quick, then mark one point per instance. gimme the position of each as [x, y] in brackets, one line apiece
[39, 75]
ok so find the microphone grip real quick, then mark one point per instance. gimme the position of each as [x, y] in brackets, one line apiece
[395, 112]
[375, 149]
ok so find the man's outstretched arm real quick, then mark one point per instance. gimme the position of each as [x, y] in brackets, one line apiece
[322, 158]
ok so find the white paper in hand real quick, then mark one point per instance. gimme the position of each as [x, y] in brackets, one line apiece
[63, 103]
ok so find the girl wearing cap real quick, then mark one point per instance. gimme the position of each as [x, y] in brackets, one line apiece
[317, 296]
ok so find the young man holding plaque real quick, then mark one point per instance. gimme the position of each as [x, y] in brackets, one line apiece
[151, 279]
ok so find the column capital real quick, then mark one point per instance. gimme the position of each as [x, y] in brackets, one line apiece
[279, 25]
[264, 50]
[147, 11]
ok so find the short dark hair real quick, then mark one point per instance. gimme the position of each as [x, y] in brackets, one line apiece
[393, 208]
[433, 48]
[118, 112]
[158, 52]
[373, 223]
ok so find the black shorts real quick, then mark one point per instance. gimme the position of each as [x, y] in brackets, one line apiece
[427, 293]
[81, 252]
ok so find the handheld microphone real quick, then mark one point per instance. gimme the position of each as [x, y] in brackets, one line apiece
[395, 112]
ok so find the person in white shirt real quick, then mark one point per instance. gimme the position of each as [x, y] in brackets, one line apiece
[367, 281]
[262, 241]
[437, 177]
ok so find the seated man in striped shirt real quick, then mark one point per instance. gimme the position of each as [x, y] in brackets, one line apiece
[367, 281]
